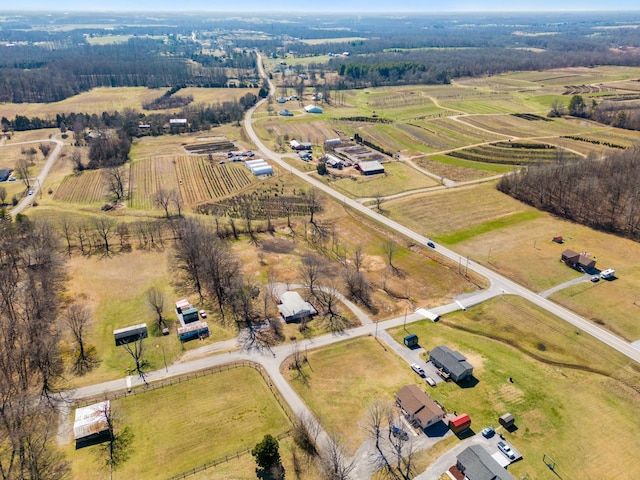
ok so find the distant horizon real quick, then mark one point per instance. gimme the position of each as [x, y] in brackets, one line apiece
[356, 7]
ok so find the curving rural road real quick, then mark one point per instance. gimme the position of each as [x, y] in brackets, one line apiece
[497, 280]
[53, 156]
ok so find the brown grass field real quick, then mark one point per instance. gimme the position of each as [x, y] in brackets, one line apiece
[112, 99]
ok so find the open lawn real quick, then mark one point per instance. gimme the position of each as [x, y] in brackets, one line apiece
[115, 290]
[343, 379]
[398, 177]
[194, 422]
[571, 395]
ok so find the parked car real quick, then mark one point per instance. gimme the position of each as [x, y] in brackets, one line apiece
[488, 432]
[595, 278]
[203, 314]
[398, 432]
[430, 381]
[431, 244]
[506, 449]
[31, 192]
[418, 369]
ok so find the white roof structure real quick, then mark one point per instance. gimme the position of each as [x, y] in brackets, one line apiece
[177, 121]
[293, 306]
[91, 420]
[371, 166]
[313, 109]
[262, 170]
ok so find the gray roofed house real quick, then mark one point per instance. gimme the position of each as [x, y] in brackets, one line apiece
[293, 307]
[452, 362]
[477, 464]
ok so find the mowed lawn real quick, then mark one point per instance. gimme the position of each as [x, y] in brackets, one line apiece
[187, 424]
[398, 177]
[343, 380]
[571, 395]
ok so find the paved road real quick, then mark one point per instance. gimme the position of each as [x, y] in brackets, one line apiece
[497, 280]
[53, 156]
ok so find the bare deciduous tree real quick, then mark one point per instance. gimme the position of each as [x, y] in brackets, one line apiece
[358, 257]
[377, 415]
[78, 318]
[105, 228]
[334, 463]
[136, 350]
[3, 195]
[312, 269]
[117, 450]
[162, 199]
[314, 204]
[115, 179]
[22, 170]
[156, 299]
[390, 250]
[45, 148]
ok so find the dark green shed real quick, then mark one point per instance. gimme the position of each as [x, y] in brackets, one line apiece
[411, 340]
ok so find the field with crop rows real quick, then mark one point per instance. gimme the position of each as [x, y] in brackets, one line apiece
[444, 134]
[87, 187]
[458, 169]
[613, 136]
[519, 127]
[512, 153]
[204, 180]
[147, 176]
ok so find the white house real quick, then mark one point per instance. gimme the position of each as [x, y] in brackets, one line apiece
[292, 307]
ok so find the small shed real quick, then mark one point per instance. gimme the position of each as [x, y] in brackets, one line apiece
[91, 424]
[411, 340]
[190, 315]
[130, 334]
[193, 330]
[460, 423]
[313, 109]
[558, 239]
[506, 420]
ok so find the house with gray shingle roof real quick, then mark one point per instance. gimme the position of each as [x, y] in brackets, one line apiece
[451, 362]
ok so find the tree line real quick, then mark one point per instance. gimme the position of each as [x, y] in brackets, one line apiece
[36, 74]
[602, 194]
[199, 116]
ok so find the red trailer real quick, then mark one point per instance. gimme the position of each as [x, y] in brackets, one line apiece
[460, 423]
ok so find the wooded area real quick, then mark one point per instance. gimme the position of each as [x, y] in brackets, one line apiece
[603, 194]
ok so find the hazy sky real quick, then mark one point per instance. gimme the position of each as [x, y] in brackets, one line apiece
[361, 6]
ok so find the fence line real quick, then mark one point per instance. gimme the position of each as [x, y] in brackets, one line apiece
[202, 373]
[218, 461]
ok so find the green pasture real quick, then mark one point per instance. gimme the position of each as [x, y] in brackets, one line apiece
[187, 424]
[398, 177]
[565, 385]
[489, 226]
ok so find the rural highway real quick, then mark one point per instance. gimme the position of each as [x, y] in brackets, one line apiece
[497, 281]
[51, 159]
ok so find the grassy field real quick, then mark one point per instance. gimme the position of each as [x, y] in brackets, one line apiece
[194, 422]
[458, 169]
[398, 177]
[344, 378]
[566, 388]
[111, 99]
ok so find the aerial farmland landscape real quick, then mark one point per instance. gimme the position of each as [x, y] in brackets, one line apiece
[344, 246]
